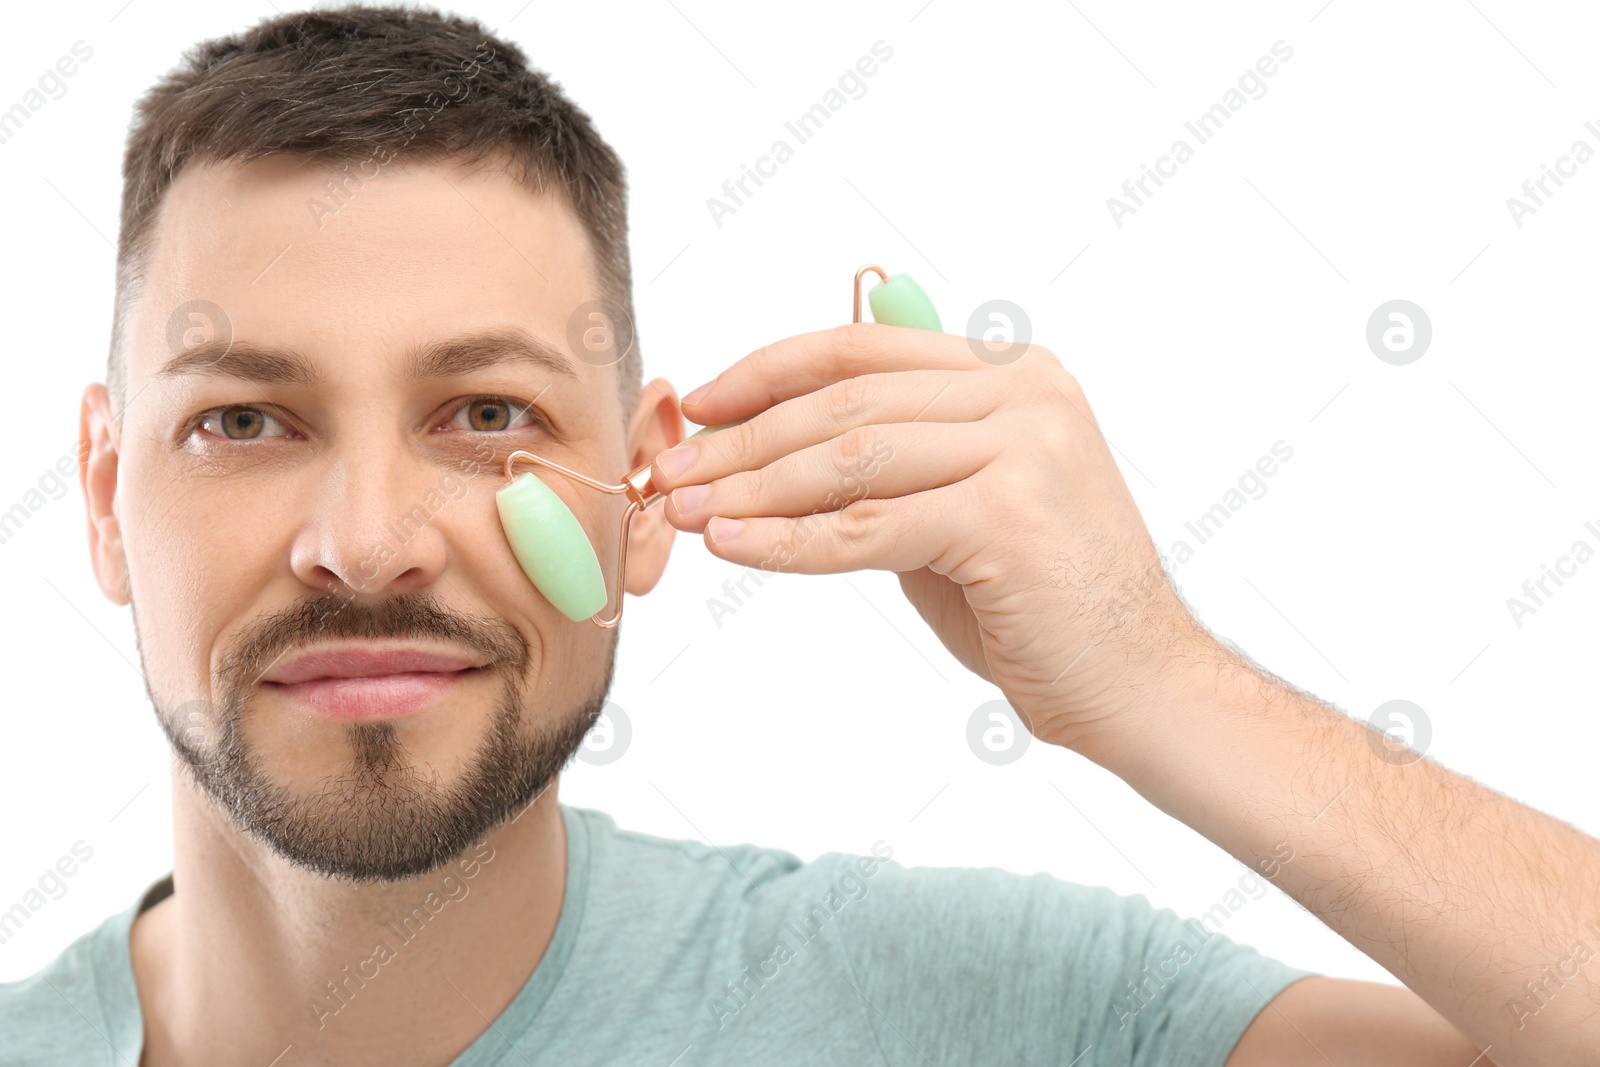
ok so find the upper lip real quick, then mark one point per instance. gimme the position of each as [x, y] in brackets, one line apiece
[366, 660]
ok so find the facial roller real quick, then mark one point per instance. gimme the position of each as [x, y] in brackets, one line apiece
[549, 542]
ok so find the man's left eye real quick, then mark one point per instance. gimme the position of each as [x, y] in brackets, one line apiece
[492, 414]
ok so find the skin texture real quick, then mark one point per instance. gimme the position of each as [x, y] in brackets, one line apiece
[209, 537]
[986, 484]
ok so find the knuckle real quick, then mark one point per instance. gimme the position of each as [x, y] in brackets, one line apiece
[847, 399]
[852, 446]
[848, 341]
[1068, 384]
[1053, 436]
[856, 522]
[748, 486]
[1039, 361]
[740, 441]
[785, 547]
[760, 361]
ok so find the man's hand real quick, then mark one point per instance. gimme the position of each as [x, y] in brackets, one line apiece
[989, 489]
[992, 492]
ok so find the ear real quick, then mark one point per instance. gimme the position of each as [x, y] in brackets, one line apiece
[97, 473]
[656, 425]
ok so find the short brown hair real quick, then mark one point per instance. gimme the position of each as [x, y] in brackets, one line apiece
[358, 84]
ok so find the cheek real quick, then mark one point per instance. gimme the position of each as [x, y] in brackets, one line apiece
[565, 657]
[199, 553]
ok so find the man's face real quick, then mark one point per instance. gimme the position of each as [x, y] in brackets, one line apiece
[322, 481]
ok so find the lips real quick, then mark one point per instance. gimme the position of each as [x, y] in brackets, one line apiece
[366, 682]
[369, 662]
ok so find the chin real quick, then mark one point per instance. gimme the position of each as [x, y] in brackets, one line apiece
[365, 802]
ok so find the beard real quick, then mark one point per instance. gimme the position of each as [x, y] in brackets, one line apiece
[380, 819]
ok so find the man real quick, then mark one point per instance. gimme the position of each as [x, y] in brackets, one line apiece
[352, 245]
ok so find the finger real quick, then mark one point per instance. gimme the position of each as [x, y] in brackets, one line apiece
[879, 461]
[909, 396]
[905, 533]
[798, 365]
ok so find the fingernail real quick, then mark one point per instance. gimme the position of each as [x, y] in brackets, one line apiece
[722, 529]
[695, 396]
[687, 498]
[677, 459]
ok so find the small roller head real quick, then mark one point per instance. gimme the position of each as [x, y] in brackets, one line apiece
[901, 302]
[552, 547]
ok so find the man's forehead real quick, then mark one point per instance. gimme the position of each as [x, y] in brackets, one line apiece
[300, 256]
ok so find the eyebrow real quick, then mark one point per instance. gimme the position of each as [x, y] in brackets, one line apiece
[450, 357]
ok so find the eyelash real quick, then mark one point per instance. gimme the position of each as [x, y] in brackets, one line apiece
[538, 419]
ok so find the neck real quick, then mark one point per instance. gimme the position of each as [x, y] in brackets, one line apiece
[251, 956]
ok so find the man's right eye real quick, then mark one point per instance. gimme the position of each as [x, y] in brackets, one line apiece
[238, 422]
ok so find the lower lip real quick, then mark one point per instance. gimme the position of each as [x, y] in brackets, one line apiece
[386, 696]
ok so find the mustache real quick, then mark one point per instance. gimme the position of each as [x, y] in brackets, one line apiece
[405, 615]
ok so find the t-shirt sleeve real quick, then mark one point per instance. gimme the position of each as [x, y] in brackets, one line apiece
[57, 1016]
[987, 966]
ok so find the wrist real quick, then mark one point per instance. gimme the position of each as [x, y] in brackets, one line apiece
[1202, 706]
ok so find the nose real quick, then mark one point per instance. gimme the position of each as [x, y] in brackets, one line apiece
[375, 524]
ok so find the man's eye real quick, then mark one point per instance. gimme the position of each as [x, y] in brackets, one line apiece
[239, 423]
[492, 414]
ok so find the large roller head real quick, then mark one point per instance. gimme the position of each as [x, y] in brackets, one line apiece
[552, 547]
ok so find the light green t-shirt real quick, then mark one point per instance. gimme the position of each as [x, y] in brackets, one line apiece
[675, 952]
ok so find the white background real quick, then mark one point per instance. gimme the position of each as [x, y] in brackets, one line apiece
[1227, 314]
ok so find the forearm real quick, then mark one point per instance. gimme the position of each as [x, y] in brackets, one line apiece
[1460, 892]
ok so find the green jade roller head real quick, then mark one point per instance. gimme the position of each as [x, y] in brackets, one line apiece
[551, 545]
